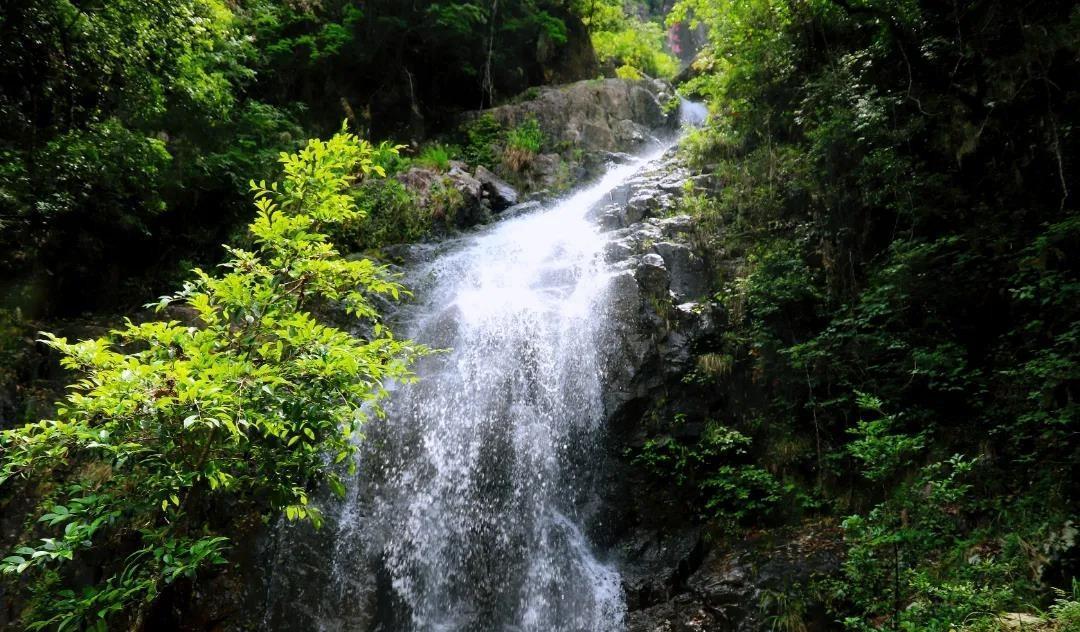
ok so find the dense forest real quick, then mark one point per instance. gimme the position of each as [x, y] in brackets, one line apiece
[882, 193]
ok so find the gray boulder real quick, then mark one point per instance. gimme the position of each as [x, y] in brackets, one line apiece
[609, 115]
[469, 186]
[498, 191]
[689, 277]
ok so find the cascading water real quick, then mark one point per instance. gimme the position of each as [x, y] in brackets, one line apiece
[479, 514]
[475, 490]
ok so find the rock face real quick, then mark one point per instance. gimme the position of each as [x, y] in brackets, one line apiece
[657, 268]
[498, 191]
[482, 193]
[732, 588]
[594, 115]
[585, 125]
[674, 578]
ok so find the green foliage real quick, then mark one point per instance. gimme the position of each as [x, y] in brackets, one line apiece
[626, 71]
[436, 156]
[522, 144]
[911, 560]
[526, 136]
[132, 126]
[785, 612]
[881, 452]
[625, 41]
[884, 226]
[387, 156]
[116, 114]
[482, 137]
[636, 45]
[484, 52]
[391, 215]
[175, 430]
[729, 492]
[1065, 612]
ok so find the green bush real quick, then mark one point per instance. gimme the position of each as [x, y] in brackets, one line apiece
[177, 432]
[714, 471]
[526, 136]
[878, 230]
[625, 41]
[482, 138]
[523, 142]
[637, 45]
[626, 71]
[391, 215]
[437, 157]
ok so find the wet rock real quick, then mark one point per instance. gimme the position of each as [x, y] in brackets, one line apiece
[627, 133]
[731, 583]
[652, 276]
[610, 217]
[678, 227]
[641, 206]
[618, 250]
[497, 190]
[689, 277]
[615, 157]
[521, 209]
[475, 209]
[656, 563]
[684, 613]
[674, 579]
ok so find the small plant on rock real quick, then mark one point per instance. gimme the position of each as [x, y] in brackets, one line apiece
[522, 144]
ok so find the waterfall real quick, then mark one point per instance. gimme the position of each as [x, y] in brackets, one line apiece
[692, 114]
[477, 491]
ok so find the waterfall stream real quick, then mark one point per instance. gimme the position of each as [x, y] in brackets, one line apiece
[477, 491]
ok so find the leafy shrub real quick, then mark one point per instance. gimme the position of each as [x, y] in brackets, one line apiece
[1066, 609]
[713, 469]
[636, 45]
[523, 142]
[436, 157]
[911, 562]
[482, 136]
[881, 451]
[444, 202]
[173, 423]
[387, 156]
[626, 71]
[527, 136]
[869, 244]
[391, 215]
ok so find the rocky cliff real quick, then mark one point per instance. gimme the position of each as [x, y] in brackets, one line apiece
[679, 576]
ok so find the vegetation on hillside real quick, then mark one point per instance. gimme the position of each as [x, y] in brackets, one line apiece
[896, 239]
[131, 128]
[177, 431]
[629, 41]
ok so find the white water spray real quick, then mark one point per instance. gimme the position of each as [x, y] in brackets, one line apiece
[473, 491]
